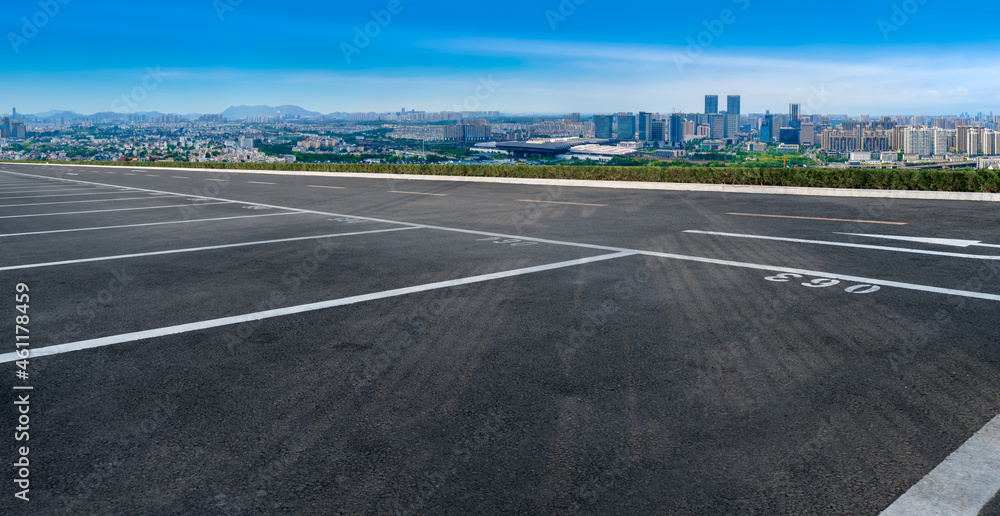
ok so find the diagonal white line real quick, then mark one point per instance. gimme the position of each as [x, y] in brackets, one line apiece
[146, 224]
[961, 485]
[280, 312]
[78, 202]
[847, 244]
[117, 209]
[194, 249]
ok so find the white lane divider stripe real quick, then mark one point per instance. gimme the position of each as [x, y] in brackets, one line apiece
[117, 209]
[194, 249]
[147, 224]
[88, 200]
[961, 485]
[848, 244]
[908, 286]
[831, 275]
[65, 195]
[267, 314]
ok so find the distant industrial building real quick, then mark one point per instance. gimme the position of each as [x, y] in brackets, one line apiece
[545, 148]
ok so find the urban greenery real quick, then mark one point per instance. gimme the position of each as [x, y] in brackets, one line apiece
[961, 180]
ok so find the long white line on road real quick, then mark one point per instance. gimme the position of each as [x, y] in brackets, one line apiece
[961, 485]
[117, 209]
[64, 195]
[56, 189]
[831, 275]
[817, 218]
[195, 249]
[89, 200]
[923, 240]
[281, 312]
[848, 244]
[147, 224]
[907, 286]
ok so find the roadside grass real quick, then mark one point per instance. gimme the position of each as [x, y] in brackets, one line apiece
[961, 180]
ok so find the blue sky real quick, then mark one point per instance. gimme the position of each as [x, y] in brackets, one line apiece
[873, 57]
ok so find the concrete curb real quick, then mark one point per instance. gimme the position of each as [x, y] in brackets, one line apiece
[627, 185]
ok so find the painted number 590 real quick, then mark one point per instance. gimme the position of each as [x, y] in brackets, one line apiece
[824, 283]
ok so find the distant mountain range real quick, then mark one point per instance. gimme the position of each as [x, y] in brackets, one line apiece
[234, 112]
[245, 111]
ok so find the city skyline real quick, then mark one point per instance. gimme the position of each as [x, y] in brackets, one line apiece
[201, 56]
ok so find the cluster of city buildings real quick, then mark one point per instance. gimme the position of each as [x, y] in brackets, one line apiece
[961, 140]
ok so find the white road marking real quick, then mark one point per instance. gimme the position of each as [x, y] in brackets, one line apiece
[832, 275]
[847, 244]
[89, 200]
[419, 193]
[147, 224]
[332, 187]
[817, 218]
[936, 241]
[280, 312]
[961, 485]
[63, 195]
[195, 249]
[118, 209]
[58, 188]
[554, 202]
[907, 286]
[260, 183]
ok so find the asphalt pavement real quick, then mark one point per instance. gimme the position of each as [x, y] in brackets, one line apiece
[252, 343]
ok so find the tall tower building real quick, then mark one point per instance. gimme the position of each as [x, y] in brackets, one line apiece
[626, 126]
[711, 104]
[645, 125]
[603, 126]
[794, 111]
[767, 128]
[677, 128]
[733, 105]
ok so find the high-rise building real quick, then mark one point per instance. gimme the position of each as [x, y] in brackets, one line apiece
[711, 104]
[733, 105]
[767, 128]
[626, 126]
[794, 111]
[645, 125]
[789, 135]
[718, 124]
[677, 128]
[604, 126]
[658, 131]
[807, 134]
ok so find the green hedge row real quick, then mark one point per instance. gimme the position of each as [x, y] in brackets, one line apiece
[964, 180]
